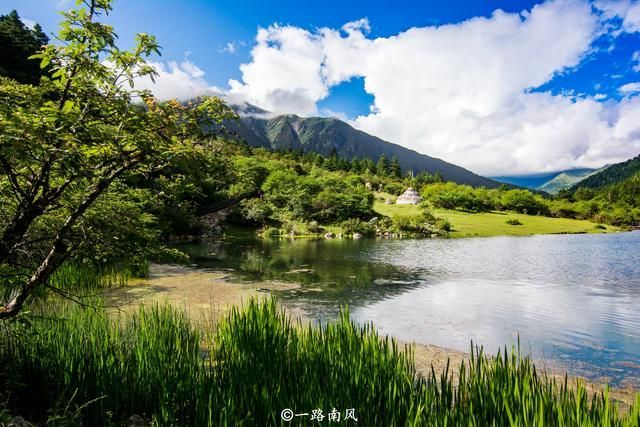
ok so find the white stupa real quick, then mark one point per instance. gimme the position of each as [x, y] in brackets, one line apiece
[409, 197]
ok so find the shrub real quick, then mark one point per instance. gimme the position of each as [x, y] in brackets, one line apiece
[444, 225]
[314, 227]
[355, 225]
[255, 210]
[394, 188]
[513, 221]
[271, 232]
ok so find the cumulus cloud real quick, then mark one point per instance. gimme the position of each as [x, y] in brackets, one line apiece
[462, 92]
[286, 72]
[630, 88]
[628, 11]
[182, 81]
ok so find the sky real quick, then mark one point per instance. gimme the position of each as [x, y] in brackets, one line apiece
[500, 87]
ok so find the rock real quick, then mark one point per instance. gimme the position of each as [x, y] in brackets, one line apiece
[329, 236]
[388, 202]
[373, 220]
[368, 185]
[19, 422]
[292, 233]
[339, 235]
[357, 236]
[136, 421]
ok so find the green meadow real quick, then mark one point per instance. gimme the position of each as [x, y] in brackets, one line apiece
[485, 224]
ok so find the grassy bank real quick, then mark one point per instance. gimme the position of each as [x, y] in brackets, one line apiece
[484, 224]
[85, 367]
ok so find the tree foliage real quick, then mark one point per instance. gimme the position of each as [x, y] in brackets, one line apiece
[17, 44]
[65, 143]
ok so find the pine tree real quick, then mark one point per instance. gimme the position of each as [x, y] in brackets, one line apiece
[382, 167]
[394, 167]
[17, 44]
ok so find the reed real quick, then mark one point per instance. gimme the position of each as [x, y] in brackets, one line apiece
[70, 365]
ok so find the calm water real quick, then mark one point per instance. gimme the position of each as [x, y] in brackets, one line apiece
[573, 300]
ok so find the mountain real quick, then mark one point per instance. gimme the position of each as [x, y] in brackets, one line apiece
[566, 179]
[612, 174]
[328, 135]
[532, 181]
[550, 183]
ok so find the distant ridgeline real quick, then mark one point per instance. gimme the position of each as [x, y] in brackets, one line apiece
[330, 136]
[611, 175]
[551, 183]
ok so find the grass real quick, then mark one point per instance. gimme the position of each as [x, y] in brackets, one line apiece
[83, 367]
[77, 279]
[485, 224]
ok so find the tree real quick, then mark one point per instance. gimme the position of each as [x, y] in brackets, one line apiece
[382, 168]
[17, 44]
[332, 163]
[394, 167]
[66, 142]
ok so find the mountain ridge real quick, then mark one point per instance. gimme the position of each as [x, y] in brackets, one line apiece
[328, 135]
[551, 182]
[611, 174]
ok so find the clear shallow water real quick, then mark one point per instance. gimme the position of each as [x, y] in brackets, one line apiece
[573, 300]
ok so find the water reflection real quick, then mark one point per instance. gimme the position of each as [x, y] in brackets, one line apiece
[570, 298]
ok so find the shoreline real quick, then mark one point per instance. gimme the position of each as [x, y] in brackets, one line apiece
[207, 295]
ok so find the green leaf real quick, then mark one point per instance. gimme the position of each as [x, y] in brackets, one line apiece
[67, 107]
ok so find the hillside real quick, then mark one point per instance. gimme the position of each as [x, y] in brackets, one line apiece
[566, 179]
[328, 135]
[611, 175]
[550, 183]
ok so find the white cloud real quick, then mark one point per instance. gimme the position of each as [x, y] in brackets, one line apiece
[232, 47]
[286, 72]
[175, 80]
[600, 96]
[636, 58]
[627, 10]
[630, 88]
[460, 92]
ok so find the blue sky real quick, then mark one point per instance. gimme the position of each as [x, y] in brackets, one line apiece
[203, 28]
[533, 89]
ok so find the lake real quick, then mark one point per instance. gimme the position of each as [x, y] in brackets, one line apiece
[572, 300]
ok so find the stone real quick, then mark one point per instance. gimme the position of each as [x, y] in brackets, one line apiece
[136, 421]
[409, 197]
[329, 236]
[19, 422]
[388, 201]
[357, 235]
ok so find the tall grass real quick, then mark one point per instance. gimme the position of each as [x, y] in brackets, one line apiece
[86, 367]
[78, 279]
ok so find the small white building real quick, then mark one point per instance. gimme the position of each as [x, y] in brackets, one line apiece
[409, 197]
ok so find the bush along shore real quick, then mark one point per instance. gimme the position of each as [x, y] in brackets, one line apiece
[69, 365]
